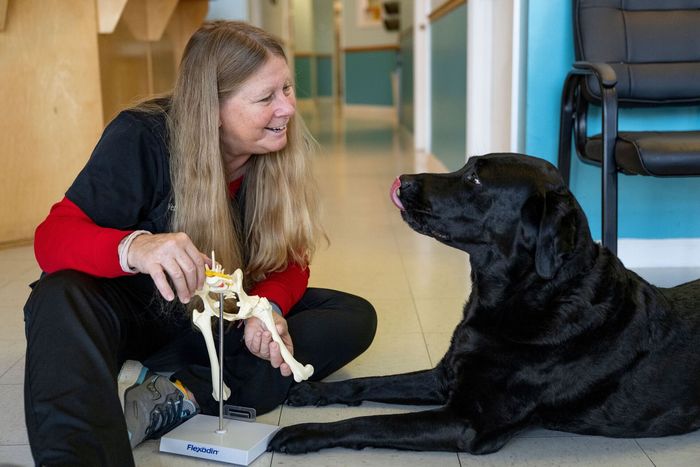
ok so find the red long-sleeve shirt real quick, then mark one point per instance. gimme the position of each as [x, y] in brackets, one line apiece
[69, 239]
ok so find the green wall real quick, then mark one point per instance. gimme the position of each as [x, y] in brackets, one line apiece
[324, 76]
[368, 77]
[449, 88]
[302, 74]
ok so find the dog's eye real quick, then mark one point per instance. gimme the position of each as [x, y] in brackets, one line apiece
[473, 178]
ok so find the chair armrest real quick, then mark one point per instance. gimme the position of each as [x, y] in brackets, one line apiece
[607, 80]
[604, 72]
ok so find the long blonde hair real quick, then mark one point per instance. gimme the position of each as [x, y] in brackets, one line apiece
[281, 221]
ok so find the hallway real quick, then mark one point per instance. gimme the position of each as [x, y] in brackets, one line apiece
[417, 285]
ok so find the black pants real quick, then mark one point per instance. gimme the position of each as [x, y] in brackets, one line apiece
[80, 329]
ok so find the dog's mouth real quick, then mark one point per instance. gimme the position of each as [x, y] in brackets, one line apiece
[442, 237]
[416, 220]
[395, 192]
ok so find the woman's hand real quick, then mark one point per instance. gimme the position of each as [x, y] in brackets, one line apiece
[259, 341]
[171, 254]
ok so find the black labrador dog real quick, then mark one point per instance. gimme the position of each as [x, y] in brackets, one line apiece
[556, 332]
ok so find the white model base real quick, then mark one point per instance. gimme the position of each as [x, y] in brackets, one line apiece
[241, 443]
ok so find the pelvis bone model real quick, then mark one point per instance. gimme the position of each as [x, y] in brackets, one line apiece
[216, 282]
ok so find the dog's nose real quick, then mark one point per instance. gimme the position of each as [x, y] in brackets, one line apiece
[394, 194]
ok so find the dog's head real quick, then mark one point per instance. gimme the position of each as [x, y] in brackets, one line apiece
[505, 204]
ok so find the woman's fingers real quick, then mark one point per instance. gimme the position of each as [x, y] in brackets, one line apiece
[259, 342]
[179, 278]
[192, 269]
[277, 361]
[285, 370]
[265, 340]
[161, 282]
[200, 260]
[173, 254]
[276, 355]
[283, 331]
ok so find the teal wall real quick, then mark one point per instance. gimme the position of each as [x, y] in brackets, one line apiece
[324, 76]
[302, 74]
[368, 77]
[649, 207]
[406, 79]
[449, 88]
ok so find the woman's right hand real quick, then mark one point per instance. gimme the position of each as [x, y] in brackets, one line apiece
[173, 254]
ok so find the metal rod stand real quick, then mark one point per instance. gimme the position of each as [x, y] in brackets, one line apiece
[221, 365]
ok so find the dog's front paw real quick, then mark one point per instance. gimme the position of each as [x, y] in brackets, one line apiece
[306, 393]
[295, 439]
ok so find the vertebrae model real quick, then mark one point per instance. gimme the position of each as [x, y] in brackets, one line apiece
[216, 282]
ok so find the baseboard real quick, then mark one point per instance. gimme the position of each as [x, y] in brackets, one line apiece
[306, 105]
[6, 245]
[655, 253]
[370, 111]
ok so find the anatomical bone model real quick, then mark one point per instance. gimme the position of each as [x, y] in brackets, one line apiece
[248, 306]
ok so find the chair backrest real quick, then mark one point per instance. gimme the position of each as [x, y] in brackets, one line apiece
[653, 46]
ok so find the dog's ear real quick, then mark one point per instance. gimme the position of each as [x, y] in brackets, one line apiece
[557, 233]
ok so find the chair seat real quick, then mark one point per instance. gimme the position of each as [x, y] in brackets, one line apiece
[661, 154]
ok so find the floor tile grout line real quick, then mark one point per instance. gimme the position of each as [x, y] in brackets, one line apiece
[645, 453]
[10, 368]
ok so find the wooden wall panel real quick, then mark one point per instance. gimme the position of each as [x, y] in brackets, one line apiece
[124, 64]
[167, 52]
[108, 14]
[188, 16]
[132, 68]
[52, 110]
[62, 81]
[3, 14]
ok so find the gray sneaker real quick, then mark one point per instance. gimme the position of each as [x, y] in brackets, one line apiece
[152, 404]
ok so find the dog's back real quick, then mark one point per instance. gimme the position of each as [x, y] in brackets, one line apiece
[639, 372]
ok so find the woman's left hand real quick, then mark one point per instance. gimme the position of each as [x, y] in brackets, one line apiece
[259, 341]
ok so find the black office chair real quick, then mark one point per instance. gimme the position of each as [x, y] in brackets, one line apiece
[631, 53]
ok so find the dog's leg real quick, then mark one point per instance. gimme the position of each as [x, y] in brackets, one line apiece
[424, 387]
[432, 430]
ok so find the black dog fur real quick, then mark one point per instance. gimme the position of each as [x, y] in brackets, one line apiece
[556, 332]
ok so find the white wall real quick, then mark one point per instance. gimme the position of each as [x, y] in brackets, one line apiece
[303, 26]
[495, 73]
[323, 26]
[353, 35]
[274, 18]
[228, 9]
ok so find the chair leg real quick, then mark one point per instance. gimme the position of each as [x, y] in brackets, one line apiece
[610, 209]
[609, 170]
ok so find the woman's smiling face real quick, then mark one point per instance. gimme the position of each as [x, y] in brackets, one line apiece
[254, 119]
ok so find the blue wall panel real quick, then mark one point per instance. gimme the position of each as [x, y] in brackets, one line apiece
[368, 77]
[302, 73]
[449, 88]
[324, 76]
[649, 207]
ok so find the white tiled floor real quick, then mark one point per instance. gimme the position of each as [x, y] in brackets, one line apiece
[418, 287]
